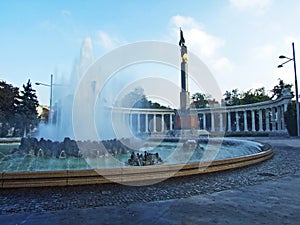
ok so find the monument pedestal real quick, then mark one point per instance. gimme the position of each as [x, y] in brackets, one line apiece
[186, 121]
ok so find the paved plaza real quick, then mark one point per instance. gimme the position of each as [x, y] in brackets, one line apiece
[266, 193]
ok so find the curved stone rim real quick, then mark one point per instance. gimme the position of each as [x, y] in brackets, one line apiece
[126, 175]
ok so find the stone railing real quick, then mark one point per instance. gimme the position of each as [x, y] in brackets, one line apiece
[266, 117]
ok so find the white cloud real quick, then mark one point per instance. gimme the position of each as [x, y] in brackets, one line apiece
[259, 5]
[107, 41]
[199, 41]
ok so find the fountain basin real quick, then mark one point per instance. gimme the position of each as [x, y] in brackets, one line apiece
[126, 174]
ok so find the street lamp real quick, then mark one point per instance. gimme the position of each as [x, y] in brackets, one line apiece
[296, 85]
[51, 89]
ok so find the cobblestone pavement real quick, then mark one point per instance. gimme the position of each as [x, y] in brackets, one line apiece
[50, 199]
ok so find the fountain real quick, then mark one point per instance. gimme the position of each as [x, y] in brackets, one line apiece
[88, 156]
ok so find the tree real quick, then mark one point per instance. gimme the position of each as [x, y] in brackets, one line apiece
[26, 112]
[8, 100]
[137, 99]
[277, 90]
[232, 98]
[258, 95]
[199, 100]
[290, 118]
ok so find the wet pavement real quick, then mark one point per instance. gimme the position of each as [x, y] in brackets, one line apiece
[266, 193]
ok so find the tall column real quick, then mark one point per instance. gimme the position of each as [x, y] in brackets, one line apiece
[138, 122]
[146, 123]
[171, 122]
[221, 121]
[253, 120]
[162, 123]
[237, 121]
[229, 121]
[245, 121]
[260, 121]
[204, 121]
[154, 123]
[212, 122]
[273, 119]
[267, 119]
[282, 118]
[278, 118]
[130, 121]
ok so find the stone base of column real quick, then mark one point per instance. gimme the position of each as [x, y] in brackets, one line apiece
[186, 121]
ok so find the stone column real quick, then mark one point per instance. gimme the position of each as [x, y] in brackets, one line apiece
[146, 123]
[237, 121]
[138, 123]
[260, 121]
[221, 121]
[130, 121]
[212, 122]
[282, 118]
[253, 120]
[154, 123]
[204, 121]
[267, 120]
[273, 119]
[278, 117]
[162, 123]
[229, 121]
[245, 121]
[171, 122]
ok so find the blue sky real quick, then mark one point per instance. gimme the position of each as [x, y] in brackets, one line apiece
[239, 40]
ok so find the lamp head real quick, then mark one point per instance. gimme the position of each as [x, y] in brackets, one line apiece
[282, 57]
[280, 66]
[38, 83]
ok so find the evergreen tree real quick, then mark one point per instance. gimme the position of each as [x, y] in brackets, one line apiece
[8, 101]
[26, 112]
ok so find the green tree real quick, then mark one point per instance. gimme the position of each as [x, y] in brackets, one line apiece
[258, 95]
[232, 98]
[137, 99]
[27, 115]
[199, 100]
[8, 101]
[277, 90]
[290, 118]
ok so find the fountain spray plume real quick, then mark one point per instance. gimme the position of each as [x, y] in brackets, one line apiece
[63, 95]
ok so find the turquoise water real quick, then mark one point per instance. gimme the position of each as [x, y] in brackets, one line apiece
[170, 153]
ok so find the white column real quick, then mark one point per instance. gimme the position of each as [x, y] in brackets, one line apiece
[260, 121]
[237, 121]
[245, 121]
[162, 123]
[278, 118]
[204, 121]
[221, 121]
[171, 122]
[130, 121]
[273, 119]
[154, 123]
[267, 113]
[253, 120]
[282, 118]
[229, 121]
[212, 122]
[146, 123]
[138, 123]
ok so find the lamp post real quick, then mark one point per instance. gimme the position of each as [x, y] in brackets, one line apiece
[51, 91]
[296, 85]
